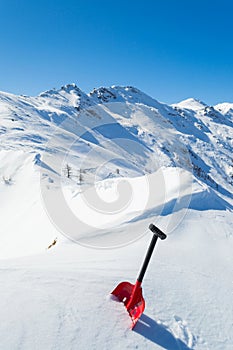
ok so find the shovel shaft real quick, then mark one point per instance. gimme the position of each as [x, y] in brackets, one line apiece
[147, 258]
[157, 234]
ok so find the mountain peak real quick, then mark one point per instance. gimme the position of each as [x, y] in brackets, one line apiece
[121, 94]
[224, 108]
[191, 103]
[70, 88]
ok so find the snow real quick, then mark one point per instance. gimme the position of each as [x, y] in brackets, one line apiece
[142, 161]
[226, 109]
[191, 103]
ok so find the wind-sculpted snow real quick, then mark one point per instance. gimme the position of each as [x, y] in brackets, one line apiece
[118, 156]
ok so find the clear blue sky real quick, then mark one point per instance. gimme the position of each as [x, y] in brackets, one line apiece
[170, 49]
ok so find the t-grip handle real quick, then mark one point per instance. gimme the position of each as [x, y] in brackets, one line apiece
[157, 233]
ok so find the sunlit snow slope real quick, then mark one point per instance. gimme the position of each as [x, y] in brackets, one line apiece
[172, 165]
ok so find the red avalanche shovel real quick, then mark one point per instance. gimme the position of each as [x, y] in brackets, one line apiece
[131, 294]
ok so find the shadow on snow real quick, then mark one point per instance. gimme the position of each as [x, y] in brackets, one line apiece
[158, 334]
[206, 200]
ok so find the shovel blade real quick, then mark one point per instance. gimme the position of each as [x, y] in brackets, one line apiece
[131, 295]
[123, 291]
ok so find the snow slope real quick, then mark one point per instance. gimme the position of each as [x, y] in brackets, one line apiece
[133, 161]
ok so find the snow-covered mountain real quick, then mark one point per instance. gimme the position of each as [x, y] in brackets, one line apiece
[98, 168]
[27, 123]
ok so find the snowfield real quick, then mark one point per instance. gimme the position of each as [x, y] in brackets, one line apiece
[86, 175]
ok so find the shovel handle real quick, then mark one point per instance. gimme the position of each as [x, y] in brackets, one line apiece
[157, 233]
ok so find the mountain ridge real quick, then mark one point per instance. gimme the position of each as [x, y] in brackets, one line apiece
[205, 132]
[104, 89]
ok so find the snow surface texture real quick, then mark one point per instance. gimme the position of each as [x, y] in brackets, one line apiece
[98, 169]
